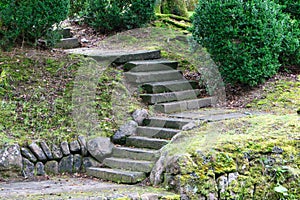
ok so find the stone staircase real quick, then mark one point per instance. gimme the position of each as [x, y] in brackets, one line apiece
[162, 86]
[134, 161]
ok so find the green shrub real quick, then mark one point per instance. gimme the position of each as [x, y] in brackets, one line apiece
[243, 38]
[78, 8]
[291, 6]
[29, 20]
[114, 15]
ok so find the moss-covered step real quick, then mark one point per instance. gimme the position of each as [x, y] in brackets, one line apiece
[116, 175]
[169, 86]
[170, 96]
[150, 65]
[180, 106]
[135, 153]
[155, 76]
[118, 57]
[156, 132]
[129, 164]
[172, 123]
[144, 142]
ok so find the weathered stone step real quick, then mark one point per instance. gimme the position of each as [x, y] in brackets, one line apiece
[144, 142]
[135, 153]
[156, 132]
[129, 164]
[173, 123]
[150, 65]
[170, 96]
[118, 57]
[179, 106]
[156, 76]
[169, 86]
[116, 175]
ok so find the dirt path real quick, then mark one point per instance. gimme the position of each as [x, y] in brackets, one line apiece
[76, 188]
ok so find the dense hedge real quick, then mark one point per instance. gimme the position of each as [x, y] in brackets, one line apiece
[245, 38]
[291, 6]
[29, 20]
[106, 15]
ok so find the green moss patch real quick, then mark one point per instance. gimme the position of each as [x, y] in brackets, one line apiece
[261, 152]
[281, 96]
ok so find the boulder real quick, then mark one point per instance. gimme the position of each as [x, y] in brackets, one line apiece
[77, 163]
[28, 154]
[37, 151]
[40, 169]
[66, 164]
[46, 150]
[56, 152]
[65, 148]
[125, 130]
[100, 148]
[28, 168]
[51, 167]
[10, 160]
[139, 116]
[74, 146]
[82, 143]
[89, 162]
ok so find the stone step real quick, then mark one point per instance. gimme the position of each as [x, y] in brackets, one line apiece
[135, 153]
[144, 142]
[150, 65]
[156, 76]
[116, 175]
[129, 164]
[173, 123]
[170, 96]
[118, 57]
[169, 86]
[156, 132]
[180, 106]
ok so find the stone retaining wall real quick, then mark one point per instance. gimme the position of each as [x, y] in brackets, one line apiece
[41, 158]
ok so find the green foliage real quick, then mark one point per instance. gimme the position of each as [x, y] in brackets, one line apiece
[176, 7]
[244, 38]
[106, 15]
[291, 6]
[78, 8]
[29, 20]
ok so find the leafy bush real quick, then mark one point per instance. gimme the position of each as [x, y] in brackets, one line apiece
[28, 20]
[243, 37]
[114, 15]
[291, 6]
[78, 7]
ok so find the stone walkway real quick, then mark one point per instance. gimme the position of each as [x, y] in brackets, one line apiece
[77, 188]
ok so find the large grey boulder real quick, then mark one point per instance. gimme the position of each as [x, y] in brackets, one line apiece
[51, 167]
[37, 151]
[46, 150]
[89, 162]
[66, 164]
[125, 130]
[10, 160]
[28, 168]
[65, 148]
[40, 169]
[77, 163]
[56, 152]
[139, 116]
[82, 143]
[28, 154]
[74, 146]
[100, 148]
